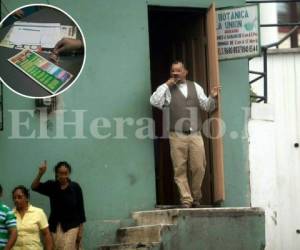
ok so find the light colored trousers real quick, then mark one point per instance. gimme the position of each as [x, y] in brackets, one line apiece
[65, 240]
[188, 157]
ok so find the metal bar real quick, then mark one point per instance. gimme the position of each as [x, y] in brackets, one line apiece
[293, 18]
[265, 56]
[274, 1]
[282, 39]
[258, 96]
[279, 24]
[256, 79]
[266, 47]
[256, 73]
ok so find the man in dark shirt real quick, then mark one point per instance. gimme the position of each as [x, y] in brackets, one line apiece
[67, 207]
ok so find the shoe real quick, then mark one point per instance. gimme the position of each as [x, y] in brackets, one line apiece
[185, 205]
[196, 204]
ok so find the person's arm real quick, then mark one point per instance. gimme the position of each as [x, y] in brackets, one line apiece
[79, 236]
[11, 225]
[81, 212]
[19, 14]
[67, 45]
[44, 228]
[36, 182]
[162, 97]
[48, 244]
[13, 234]
[209, 103]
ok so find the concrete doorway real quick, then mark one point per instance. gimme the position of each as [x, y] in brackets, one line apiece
[177, 34]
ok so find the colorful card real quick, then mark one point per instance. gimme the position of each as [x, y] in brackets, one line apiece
[45, 73]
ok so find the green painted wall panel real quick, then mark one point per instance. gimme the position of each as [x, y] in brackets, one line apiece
[226, 232]
[235, 106]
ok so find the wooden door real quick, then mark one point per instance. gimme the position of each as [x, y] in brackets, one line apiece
[214, 80]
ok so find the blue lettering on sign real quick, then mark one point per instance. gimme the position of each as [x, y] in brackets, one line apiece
[239, 14]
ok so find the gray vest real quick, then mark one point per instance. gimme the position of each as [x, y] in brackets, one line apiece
[184, 112]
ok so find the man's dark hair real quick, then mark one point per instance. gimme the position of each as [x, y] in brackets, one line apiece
[1, 190]
[23, 189]
[178, 62]
[60, 164]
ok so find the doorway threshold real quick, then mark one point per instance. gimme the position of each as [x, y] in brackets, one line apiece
[162, 207]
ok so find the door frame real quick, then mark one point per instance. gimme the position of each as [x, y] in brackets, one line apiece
[215, 145]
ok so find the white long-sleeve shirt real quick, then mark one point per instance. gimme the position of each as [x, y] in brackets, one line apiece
[162, 96]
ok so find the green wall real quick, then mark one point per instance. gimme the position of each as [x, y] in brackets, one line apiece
[117, 176]
[207, 229]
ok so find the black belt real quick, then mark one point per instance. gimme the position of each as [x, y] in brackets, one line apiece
[187, 132]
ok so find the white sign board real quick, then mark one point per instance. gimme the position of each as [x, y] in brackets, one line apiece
[238, 32]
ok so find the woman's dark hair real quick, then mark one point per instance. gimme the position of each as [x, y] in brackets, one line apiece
[23, 189]
[1, 190]
[60, 164]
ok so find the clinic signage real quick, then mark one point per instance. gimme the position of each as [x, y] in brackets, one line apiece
[238, 32]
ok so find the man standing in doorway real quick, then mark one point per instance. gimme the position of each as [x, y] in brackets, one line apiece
[183, 100]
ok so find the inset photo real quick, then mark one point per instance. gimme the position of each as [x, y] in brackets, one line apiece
[42, 51]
